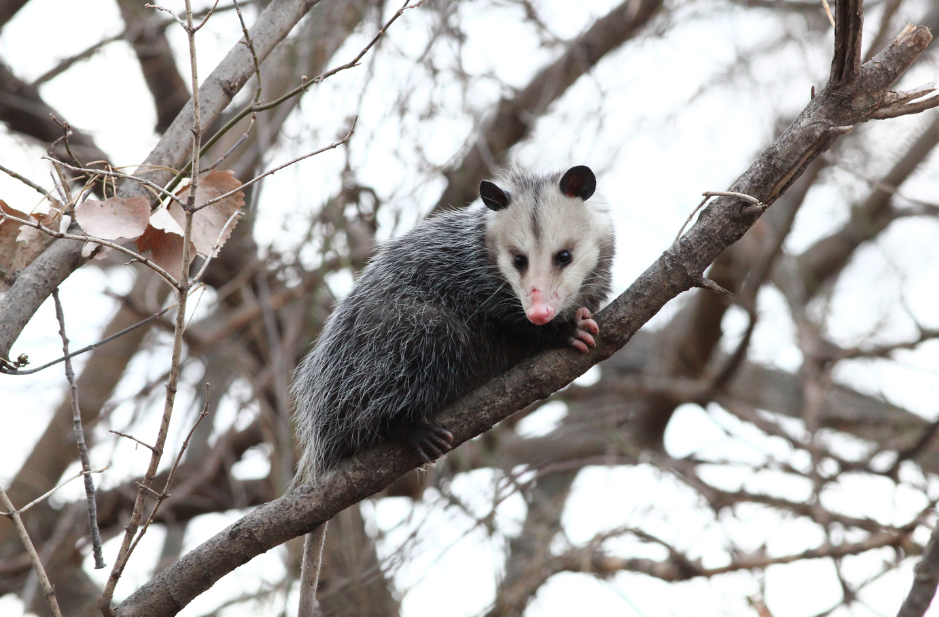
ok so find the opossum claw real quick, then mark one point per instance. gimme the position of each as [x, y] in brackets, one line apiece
[586, 328]
[429, 442]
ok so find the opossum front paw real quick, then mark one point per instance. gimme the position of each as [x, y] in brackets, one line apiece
[586, 329]
[429, 442]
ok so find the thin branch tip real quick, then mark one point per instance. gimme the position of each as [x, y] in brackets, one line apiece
[706, 283]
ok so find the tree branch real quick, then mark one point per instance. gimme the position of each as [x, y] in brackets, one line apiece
[924, 582]
[35, 282]
[720, 225]
[846, 63]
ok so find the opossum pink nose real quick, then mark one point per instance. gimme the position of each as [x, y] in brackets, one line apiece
[540, 314]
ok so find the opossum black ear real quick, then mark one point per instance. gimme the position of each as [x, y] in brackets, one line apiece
[494, 197]
[579, 182]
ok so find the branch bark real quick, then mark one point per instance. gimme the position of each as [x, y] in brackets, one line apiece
[35, 282]
[925, 580]
[844, 102]
[23, 110]
[9, 8]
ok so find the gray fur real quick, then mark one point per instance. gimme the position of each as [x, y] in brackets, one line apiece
[429, 319]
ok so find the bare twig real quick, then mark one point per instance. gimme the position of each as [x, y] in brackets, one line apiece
[62, 185]
[254, 54]
[905, 109]
[79, 434]
[48, 493]
[276, 169]
[116, 174]
[690, 216]
[304, 85]
[751, 199]
[706, 283]
[9, 371]
[26, 181]
[241, 140]
[163, 496]
[249, 43]
[831, 18]
[66, 133]
[182, 449]
[168, 12]
[132, 438]
[67, 63]
[129, 542]
[928, 206]
[882, 351]
[679, 567]
[33, 555]
[710, 194]
[204, 19]
[144, 487]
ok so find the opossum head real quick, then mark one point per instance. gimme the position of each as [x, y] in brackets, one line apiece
[545, 238]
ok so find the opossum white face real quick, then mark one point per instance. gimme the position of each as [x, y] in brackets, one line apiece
[545, 239]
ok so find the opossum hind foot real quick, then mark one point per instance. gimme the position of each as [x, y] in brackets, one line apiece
[587, 328]
[429, 442]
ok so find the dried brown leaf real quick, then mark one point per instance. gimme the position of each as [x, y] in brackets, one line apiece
[114, 218]
[164, 248]
[162, 242]
[30, 237]
[163, 238]
[53, 218]
[20, 244]
[208, 223]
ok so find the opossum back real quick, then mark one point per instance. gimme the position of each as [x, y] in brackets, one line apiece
[406, 341]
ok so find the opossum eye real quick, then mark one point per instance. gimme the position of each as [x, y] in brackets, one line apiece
[521, 262]
[563, 257]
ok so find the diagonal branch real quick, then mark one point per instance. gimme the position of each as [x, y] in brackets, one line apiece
[720, 225]
[926, 578]
[47, 589]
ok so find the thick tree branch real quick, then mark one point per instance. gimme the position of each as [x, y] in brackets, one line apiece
[925, 580]
[24, 111]
[849, 19]
[9, 8]
[720, 225]
[35, 282]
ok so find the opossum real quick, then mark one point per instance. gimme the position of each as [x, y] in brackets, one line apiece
[449, 305]
[443, 309]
